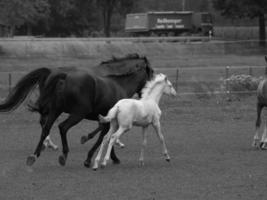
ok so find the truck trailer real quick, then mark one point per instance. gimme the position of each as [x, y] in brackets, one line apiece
[169, 23]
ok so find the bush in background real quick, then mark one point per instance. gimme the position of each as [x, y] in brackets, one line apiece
[241, 83]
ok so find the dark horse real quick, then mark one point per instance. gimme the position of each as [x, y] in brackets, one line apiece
[80, 93]
[261, 103]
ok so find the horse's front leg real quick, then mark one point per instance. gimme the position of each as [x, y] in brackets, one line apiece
[46, 126]
[85, 138]
[256, 138]
[63, 128]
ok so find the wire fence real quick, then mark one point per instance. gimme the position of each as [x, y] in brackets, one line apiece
[187, 80]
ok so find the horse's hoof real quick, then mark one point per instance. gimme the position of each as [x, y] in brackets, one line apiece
[87, 164]
[43, 147]
[263, 146]
[94, 168]
[168, 159]
[83, 139]
[30, 160]
[116, 161]
[62, 160]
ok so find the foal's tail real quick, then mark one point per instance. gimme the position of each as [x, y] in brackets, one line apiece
[19, 93]
[112, 113]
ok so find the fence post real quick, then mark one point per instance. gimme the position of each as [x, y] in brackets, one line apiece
[9, 82]
[176, 78]
[250, 71]
[226, 77]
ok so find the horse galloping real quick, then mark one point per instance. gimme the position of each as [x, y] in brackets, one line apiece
[82, 94]
[131, 112]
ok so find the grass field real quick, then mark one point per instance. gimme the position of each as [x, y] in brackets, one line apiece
[209, 140]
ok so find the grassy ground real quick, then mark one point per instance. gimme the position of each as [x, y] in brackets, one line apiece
[209, 142]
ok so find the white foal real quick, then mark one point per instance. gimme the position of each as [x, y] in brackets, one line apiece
[143, 112]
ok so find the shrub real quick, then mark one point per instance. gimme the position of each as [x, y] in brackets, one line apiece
[241, 83]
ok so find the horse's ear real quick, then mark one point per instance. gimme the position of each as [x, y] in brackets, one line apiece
[265, 58]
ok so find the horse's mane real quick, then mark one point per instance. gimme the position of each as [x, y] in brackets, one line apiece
[118, 59]
[118, 66]
[150, 85]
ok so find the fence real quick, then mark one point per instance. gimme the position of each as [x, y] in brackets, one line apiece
[187, 81]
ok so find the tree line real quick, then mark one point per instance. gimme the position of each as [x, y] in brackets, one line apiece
[62, 18]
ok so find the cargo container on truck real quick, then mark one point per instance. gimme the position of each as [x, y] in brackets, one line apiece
[168, 23]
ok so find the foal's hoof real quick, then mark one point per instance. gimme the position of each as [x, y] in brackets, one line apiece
[87, 163]
[168, 159]
[84, 139]
[30, 160]
[62, 160]
[94, 168]
[103, 166]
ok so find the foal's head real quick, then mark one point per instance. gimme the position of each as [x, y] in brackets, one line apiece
[161, 82]
[168, 88]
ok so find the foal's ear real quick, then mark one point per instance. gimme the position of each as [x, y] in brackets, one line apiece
[166, 79]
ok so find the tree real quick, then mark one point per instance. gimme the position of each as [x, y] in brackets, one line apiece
[245, 8]
[16, 13]
[108, 7]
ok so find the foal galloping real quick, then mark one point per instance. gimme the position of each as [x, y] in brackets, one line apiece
[131, 112]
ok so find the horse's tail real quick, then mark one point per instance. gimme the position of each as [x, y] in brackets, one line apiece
[19, 93]
[112, 113]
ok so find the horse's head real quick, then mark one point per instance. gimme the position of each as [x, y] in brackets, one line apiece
[146, 73]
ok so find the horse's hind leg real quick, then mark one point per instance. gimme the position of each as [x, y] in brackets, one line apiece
[63, 128]
[85, 138]
[45, 132]
[263, 143]
[256, 138]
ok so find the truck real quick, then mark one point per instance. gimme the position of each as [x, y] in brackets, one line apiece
[169, 23]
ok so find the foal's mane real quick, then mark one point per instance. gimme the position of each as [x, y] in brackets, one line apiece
[150, 85]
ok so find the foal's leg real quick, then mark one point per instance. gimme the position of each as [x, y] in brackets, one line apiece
[144, 143]
[85, 138]
[103, 144]
[45, 132]
[63, 128]
[157, 128]
[256, 138]
[113, 139]
[49, 143]
[104, 131]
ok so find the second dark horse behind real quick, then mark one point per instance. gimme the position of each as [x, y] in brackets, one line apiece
[83, 94]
